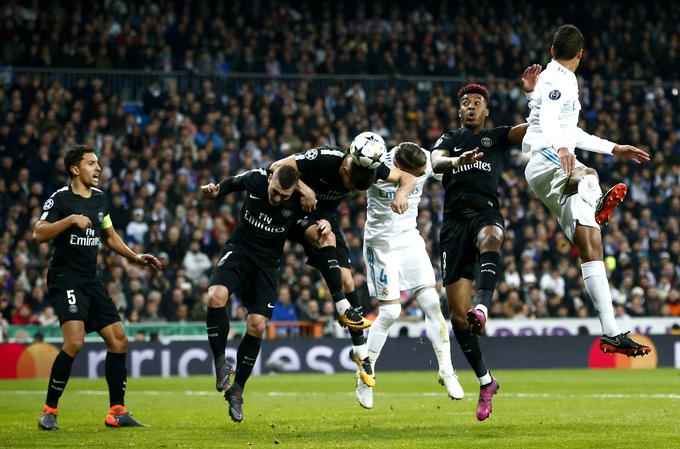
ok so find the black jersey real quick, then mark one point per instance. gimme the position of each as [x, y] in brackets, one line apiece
[262, 228]
[75, 251]
[320, 170]
[474, 184]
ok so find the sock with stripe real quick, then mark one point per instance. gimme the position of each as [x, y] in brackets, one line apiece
[245, 358]
[61, 371]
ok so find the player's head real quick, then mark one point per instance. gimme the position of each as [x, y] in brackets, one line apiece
[410, 158]
[355, 177]
[282, 184]
[82, 164]
[568, 43]
[473, 100]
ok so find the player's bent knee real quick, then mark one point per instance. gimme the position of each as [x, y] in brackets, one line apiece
[389, 312]
[72, 348]
[256, 326]
[217, 296]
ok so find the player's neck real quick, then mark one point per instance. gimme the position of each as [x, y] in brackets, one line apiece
[474, 129]
[569, 64]
[80, 189]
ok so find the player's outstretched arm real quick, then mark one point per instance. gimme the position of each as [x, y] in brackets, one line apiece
[530, 78]
[110, 238]
[44, 231]
[442, 163]
[307, 195]
[516, 133]
[631, 153]
[407, 183]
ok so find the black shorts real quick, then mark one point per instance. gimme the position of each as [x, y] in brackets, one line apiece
[88, 302]
[255, 281]
[312, 253]
[458, 238]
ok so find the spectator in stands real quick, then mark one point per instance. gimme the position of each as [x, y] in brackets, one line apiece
[284, 310]
[196, 263]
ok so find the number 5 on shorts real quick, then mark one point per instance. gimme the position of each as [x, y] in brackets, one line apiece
[71, 295]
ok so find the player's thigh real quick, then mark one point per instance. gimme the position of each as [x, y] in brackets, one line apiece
[70, 301]
[415, 266]
[458, 250]
[459, 297]
[259, 291]
[382, 272]
[227, 277]
[103, 310]
[73, 332]
[576, 212]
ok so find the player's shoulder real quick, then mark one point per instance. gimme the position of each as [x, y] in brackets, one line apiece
[556, 74]
[98, 193]
[324, 151]
[389, 157]
[448, 137]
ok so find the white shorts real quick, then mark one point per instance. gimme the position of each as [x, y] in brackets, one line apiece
[391, 271]
[548, 181]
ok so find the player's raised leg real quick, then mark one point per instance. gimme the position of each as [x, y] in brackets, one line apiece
[459, 294]
[217, 327]
[488, 242]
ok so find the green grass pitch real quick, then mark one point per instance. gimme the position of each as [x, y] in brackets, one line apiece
[534, 409]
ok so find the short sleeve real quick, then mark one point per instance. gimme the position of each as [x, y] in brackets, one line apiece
[51, 210]
[318, 159]
[446, 142]
[383, 171]
[243, 181]
[502, 136]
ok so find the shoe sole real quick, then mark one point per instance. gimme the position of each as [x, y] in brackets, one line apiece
[609, 349]
[476, 327]
[611, 199]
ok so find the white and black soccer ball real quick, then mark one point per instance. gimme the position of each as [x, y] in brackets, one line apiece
[368, 150]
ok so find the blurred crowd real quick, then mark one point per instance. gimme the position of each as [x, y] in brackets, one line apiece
[153, 168]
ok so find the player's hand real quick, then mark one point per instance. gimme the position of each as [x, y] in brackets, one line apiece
[81, 221]
[567, 159]
[149, 261]
[470, 157]
[400, 203]
[210, 190]
[323, 227]
[631, 153]
[530, 77]
[308, 200]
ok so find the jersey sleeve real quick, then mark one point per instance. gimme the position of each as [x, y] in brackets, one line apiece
[502, 136]
[383, 171]
[52, 210]
[593, 143]
[318, 160]
[552, 99]
[446, 142]
[243, 181]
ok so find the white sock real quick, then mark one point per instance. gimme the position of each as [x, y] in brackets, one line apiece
[589, 190]
[377, 333]
[485, 379]
[437, 331]
[597, 286]
[342, 306]
[482, 308]
[360, 351]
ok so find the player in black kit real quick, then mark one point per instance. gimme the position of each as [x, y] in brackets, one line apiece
[327, 174]
[77, 218]
[249, 266]
[472, 231]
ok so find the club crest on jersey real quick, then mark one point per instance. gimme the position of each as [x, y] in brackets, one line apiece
[100, 217]
[287, 212]
[73, 308]
[48, 204]
[311, 154]
[487, 142]
[554, 94]
[385, 291]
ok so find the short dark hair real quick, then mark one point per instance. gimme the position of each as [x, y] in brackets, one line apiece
[287, 176]
[473, 88]
[567, 41]
[74, 156]
[360, 177]
[410, 156]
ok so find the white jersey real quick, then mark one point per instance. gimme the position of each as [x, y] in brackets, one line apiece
[384, 227]
[553, 121]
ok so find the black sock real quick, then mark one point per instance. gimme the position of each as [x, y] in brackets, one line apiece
[61, 371]
[357, 335]
[245, 358]
[217, 326]
[469, 344]
[489, 266]
[330, 270]
[116, 377]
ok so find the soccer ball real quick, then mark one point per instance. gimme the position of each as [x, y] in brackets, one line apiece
[367, 150]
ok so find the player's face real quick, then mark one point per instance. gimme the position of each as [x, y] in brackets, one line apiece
[89, 170]
[277, 194]
[473, 110]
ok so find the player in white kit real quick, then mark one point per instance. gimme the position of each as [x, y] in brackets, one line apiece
[397, 260]
[567, 187]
